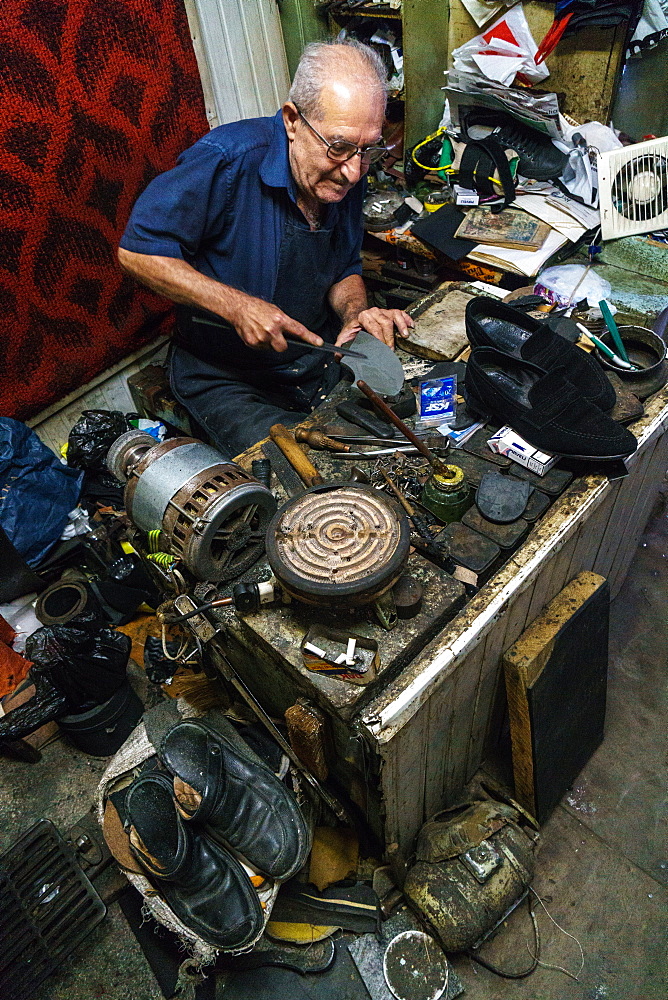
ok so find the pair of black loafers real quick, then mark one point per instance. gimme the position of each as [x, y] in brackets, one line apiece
[548, 390]
[229, 809]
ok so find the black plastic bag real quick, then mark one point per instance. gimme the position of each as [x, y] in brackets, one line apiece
[84, 662]
[92, 436]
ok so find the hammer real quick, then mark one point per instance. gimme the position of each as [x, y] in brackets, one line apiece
[295, 456]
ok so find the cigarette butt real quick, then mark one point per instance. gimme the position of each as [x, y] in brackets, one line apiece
[340, 658]
[350, 652]
[310, 648]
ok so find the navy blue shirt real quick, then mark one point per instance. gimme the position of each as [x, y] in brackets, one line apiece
[224, 206]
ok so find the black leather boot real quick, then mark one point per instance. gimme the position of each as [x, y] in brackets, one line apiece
[204, 885]
[243, 803]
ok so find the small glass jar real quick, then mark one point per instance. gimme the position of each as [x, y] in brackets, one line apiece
[447, 494]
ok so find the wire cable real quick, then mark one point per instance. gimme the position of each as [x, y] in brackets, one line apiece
[535, 956]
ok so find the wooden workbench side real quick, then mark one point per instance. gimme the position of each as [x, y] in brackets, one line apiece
[641, 510]
[354, 763]
[455, 721]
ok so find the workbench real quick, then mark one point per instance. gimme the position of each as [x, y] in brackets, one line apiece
[403, 747]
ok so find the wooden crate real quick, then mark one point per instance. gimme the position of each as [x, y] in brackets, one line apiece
[432, 728]
[407, 751]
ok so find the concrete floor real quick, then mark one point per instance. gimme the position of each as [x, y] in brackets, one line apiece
[602, 870]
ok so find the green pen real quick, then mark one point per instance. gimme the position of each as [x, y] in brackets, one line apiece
[612, 327]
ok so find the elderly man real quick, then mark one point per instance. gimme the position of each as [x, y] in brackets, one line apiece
[256, 235]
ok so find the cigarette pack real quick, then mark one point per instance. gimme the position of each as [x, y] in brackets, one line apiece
[507, 442]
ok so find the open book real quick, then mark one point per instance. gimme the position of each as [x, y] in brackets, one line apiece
[509, 228]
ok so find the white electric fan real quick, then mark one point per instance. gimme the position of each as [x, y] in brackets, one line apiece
[633, 184]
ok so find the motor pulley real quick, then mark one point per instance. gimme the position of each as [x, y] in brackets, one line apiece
[212, 513]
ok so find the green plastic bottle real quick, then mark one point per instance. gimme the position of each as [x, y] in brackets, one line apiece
[447, 494]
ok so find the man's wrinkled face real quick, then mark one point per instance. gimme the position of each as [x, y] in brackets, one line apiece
[352, 112]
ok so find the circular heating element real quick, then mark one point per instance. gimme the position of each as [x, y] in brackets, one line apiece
[212, 513]
[338, 544]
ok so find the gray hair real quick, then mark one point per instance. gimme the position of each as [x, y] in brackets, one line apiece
[315, 66]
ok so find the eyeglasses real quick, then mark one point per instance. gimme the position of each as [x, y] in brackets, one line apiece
[340, 150]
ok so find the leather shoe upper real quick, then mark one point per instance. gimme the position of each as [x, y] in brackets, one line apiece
[204, 885]
[243, 803]
[544, 407]
[490, 323]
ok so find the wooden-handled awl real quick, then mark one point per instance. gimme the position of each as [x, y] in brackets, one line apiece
[295, 456]
[317, 439]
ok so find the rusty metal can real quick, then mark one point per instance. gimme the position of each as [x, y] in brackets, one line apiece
[465, 897]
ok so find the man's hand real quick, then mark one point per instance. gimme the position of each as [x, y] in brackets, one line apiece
[259, 324]
[263, 326]
[380, 323]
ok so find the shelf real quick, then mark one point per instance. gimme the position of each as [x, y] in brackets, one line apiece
[384, 13]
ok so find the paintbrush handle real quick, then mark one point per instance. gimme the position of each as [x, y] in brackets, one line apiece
[390, 415]
[611, 354]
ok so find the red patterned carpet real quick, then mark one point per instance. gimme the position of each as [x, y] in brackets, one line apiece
[98, 96]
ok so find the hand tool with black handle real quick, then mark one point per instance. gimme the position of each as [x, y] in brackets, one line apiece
[357, 415]
[430, 545]
[285, 474]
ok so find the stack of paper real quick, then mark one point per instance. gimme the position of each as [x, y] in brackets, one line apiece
[560, 212]
[524, 262]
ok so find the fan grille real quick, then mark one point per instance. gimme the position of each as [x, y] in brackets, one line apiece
[634, 189]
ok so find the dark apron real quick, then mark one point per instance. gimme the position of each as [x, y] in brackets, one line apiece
[236, 403]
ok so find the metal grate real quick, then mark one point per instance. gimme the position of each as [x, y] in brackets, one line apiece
[634, 189]
[47, 907]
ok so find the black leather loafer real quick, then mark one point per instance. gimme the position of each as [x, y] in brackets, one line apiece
[545, 408]
[203, 884]
[243, 804]
[490, 323]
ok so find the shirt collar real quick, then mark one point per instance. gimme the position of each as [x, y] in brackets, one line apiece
[275, 167]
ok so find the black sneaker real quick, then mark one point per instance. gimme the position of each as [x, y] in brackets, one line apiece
[539, 158]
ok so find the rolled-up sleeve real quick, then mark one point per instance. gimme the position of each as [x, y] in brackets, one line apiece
[183, 207]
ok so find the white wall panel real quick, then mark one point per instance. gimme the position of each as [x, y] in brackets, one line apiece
[242, 43]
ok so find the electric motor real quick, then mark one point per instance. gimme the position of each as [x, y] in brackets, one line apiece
[212, 513]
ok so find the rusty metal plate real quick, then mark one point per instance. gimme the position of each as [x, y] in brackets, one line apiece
[338, 541]
[469, 549]
[473, 467]
[553, 482]
[537, 505]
